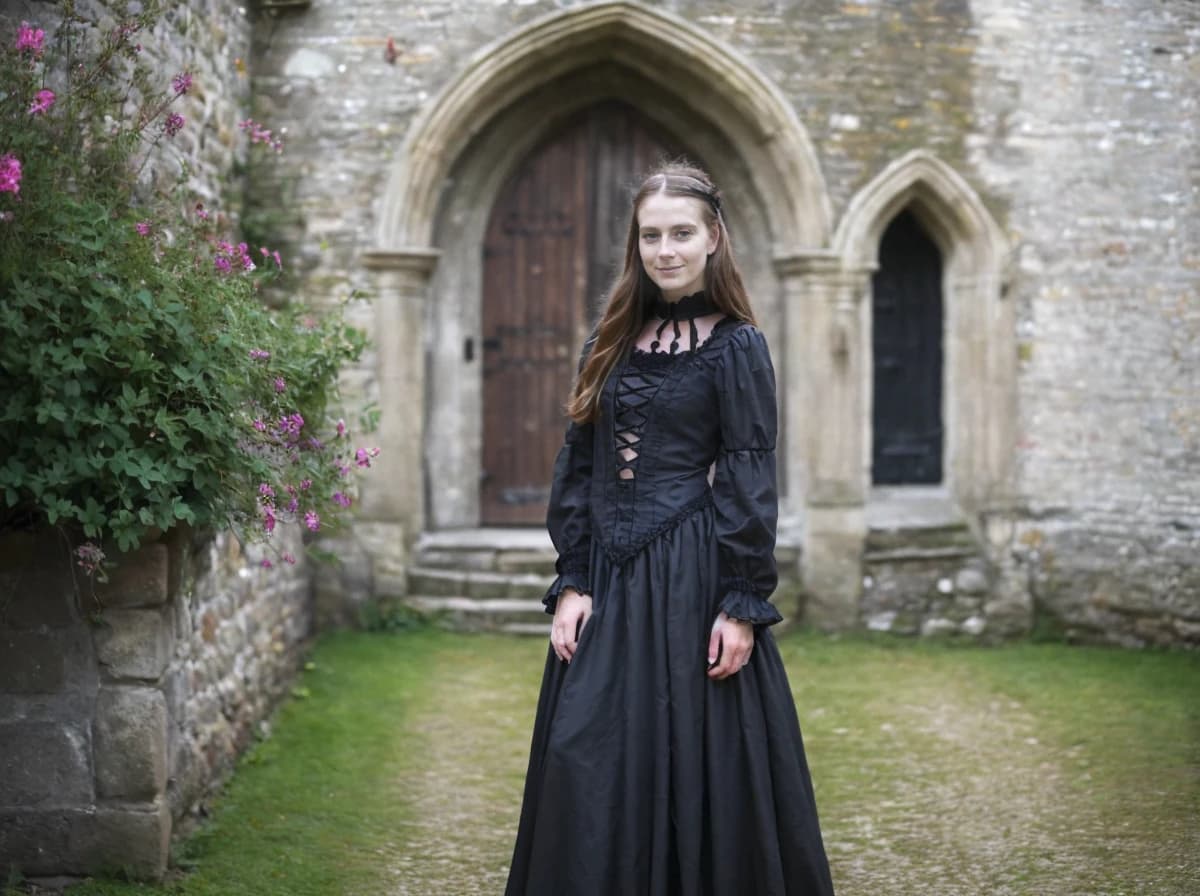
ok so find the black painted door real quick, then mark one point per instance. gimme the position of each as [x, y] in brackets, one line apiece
[555, 239]
[908, 355]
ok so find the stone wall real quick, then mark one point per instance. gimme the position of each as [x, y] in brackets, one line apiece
[125, 705]
[1093, 116]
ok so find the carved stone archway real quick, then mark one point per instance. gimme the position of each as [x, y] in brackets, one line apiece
[980, 337]
[980, 368]
[464, 143]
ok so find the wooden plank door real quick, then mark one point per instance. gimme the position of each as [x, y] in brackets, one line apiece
[907, 343]
[555, 239]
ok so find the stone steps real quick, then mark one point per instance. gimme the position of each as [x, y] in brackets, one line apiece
[511, 615]
[433, 581]
[495, 579]
[484, 579]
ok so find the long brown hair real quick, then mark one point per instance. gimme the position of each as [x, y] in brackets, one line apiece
[625, 314]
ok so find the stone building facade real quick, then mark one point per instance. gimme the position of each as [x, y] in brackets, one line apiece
[1027, 171]
[1045, 154]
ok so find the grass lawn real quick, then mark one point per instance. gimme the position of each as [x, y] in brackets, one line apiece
[1029, 769]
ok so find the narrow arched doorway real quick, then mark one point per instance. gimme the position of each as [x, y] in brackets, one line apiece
[907, 344]
[554, 241]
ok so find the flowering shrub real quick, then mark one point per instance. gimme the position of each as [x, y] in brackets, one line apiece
[142, 380]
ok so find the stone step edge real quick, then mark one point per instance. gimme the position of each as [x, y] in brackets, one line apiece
[482, 605]
[914, 554]
[481, 576]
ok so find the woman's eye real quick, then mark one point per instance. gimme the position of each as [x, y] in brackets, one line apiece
[683, 234]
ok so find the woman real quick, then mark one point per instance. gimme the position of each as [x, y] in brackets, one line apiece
[667, 758]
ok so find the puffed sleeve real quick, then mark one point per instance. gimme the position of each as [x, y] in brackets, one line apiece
[568, 516]
[744, 487]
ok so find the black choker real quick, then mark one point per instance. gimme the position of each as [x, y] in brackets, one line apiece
[688, 308]
[697, 304]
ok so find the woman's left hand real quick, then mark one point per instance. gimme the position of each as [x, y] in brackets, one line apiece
[733, 641]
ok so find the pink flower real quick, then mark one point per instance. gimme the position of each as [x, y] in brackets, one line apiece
[142, 227]
[341, 499]
[221, 263]
[278, 261]
[266, 564]
[174, 124]
[258, 354]
[269, 519]
[305, 484]
[374, 452]
[10, 174]
[89, 556]
[293, 505]
[260, 426]
[42, 101]
[181, 83]
[259, 134]
[312, 520]
[362, 458]
[266, 491]
[289, 559]
[341, 428]
[280, 384]
[29, 38]
[201, 211]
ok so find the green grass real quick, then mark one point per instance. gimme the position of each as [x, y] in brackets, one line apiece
[1029, 769]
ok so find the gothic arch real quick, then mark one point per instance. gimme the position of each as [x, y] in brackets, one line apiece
[953, 213]
[980, 342]
[460, 148]
[718, 82]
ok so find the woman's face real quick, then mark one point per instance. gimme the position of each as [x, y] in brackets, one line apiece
[675, 243]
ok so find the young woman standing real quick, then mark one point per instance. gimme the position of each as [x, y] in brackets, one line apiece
[667, 758]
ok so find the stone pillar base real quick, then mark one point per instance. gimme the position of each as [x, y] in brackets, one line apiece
[832, 566]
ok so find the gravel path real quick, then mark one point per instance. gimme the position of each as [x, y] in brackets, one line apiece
[934, 788]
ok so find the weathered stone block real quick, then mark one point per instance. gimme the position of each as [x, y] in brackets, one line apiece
[36, 597]
[135, 643]
[970, 581]
[43, 764]
[130, 736]
[31, 662]
[32, 841]
[140, 579]
[130, 840]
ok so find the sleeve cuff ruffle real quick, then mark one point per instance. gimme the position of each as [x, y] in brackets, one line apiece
[749, 607]
[577, 580]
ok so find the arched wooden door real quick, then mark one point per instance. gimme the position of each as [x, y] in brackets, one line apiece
[555, 239]
[907, 341]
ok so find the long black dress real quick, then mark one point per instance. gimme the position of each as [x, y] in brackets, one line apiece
[647, 778]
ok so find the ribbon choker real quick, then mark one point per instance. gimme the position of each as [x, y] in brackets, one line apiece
[688, 308]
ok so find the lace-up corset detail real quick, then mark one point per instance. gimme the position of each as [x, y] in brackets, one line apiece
[639, 382]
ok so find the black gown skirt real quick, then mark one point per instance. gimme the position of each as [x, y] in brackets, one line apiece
[647, 778]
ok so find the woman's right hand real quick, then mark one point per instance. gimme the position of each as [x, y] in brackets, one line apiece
[571, 614]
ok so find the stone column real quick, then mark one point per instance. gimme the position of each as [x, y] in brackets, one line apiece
[392, 512]
[826, 407]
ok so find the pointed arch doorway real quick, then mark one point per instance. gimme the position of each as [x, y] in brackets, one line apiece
[554, 241]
